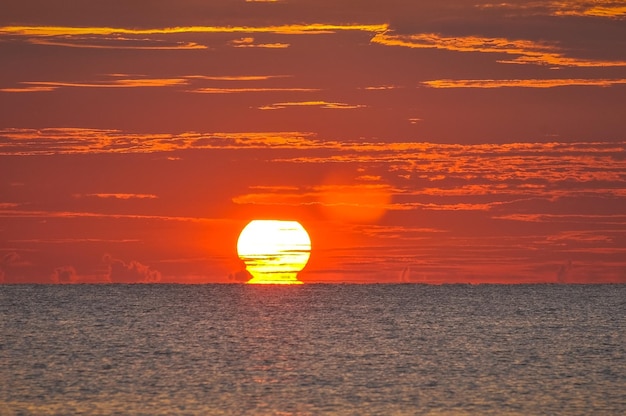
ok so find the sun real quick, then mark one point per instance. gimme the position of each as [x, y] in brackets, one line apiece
[274, 251]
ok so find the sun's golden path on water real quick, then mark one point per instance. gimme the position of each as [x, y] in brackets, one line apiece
[274, 251]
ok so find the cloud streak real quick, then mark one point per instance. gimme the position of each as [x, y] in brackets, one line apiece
[524, 51]
[248, 42]
[118, 196]
[112, 81]
[160, 38]
[80, 140]
[248, 90]
[523, 83]
[122, 43]
[141, 81]
[319, 104]
[582, 8]
[289, 29]
[23, 213]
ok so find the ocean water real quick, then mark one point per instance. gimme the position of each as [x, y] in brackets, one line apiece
[313, 349]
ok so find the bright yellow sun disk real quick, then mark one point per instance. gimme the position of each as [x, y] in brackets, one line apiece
[274, 251]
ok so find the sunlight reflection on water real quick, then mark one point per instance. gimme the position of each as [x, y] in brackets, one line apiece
[313, 349]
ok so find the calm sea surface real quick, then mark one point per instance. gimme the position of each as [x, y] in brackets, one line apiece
[313, 349]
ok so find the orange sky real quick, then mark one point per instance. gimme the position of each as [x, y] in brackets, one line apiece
[417, 141]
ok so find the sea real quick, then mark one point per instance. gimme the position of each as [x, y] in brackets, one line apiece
[313, 349]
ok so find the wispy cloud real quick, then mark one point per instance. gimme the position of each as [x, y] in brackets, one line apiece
[92, 42]
[80, 140]
[111, 81]
[319, 104]
[25, 213]
[73, 241]
[235, 77]
[616, 219]
[361, 202]
[216, 90]
[610, 9]
[451, 177]
[613, 9]
[492, 192]
[524, 51]
[114, 83]
[488, 177]
[162, 38]
[382, 87]
[248, 42]
[294, 29]
[118, 196]
[39, 88]
[193, 82]
[347, 195]
[522, 83]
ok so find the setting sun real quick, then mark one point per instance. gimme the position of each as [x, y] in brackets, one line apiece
[274, 251]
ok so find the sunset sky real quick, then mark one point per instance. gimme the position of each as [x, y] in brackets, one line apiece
[417, 141]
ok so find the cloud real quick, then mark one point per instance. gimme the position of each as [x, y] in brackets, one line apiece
[17, 213]
[64, 274]
[563, 272]
[248, 42]
[461, 206]
[612, 9]
[618, 220]
[236, 77]
[72, 240]
[128, 38]
[382, 87]
[405, 275]
[131, 272]
[433, 176]
[319, 104]
[114, 81]
[9, 262]
[592, 237]
[29, 89]
[609, 9]
[142, 81]
[91, 42]
[348, 195]
[243, 90]
[522, 83]
[363, 202]
[524, 51]
[118, 196]
[31, 32]
[472, 177]
[12, 259]
[240, 276]
[81, 140]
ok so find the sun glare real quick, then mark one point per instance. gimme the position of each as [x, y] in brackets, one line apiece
[274, 251]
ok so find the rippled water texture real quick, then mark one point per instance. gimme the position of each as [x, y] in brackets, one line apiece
[313, 349]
